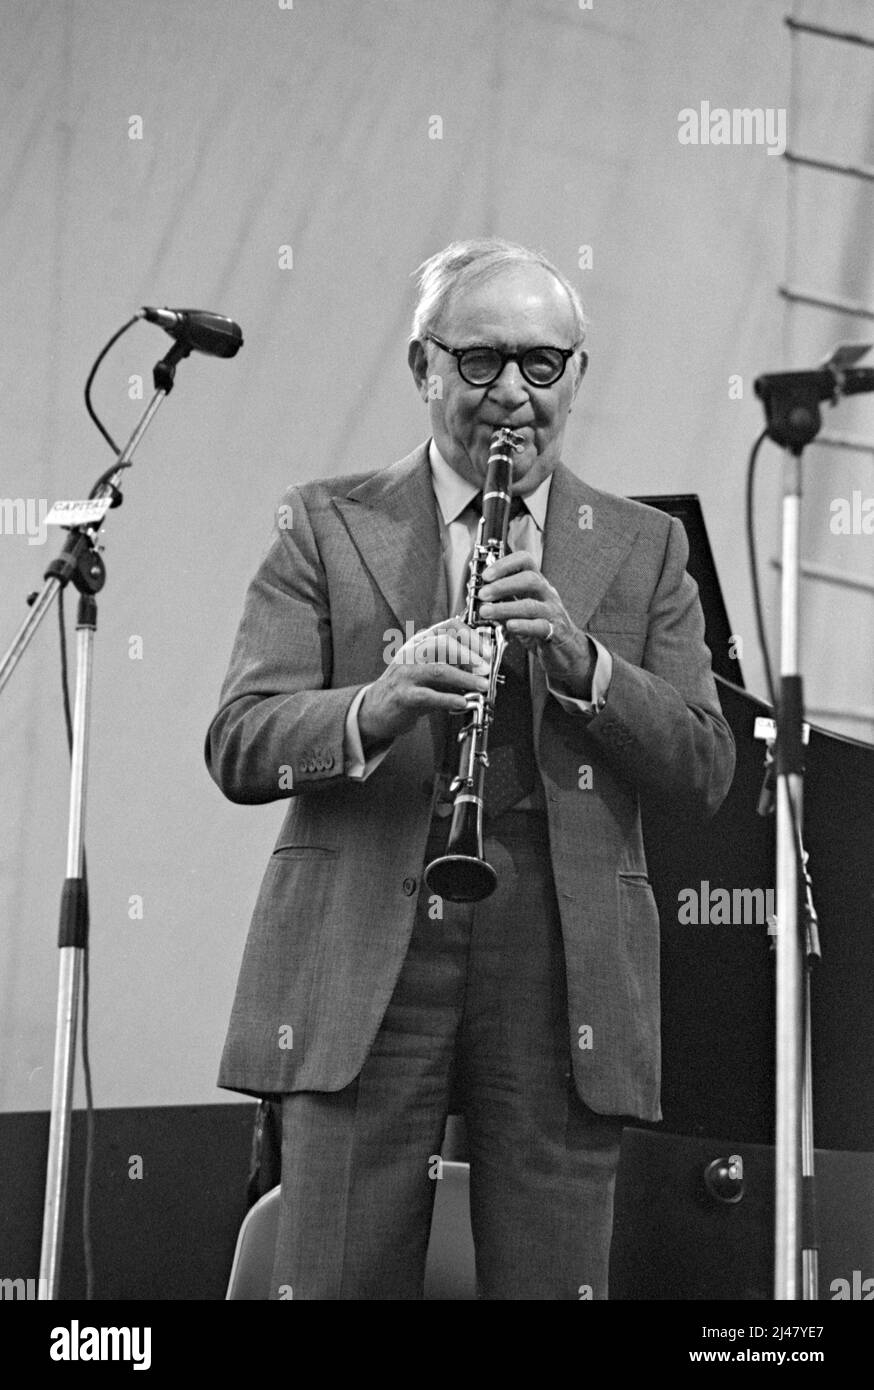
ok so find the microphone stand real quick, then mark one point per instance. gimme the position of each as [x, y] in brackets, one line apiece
[793, 420]
[79, 561]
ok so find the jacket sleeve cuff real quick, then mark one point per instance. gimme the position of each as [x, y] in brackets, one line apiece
[356, 764]
[601, 678]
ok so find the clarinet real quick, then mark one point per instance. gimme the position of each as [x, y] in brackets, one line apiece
[462, 874]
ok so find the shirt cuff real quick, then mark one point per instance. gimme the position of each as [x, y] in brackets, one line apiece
[355, 764]
[601, 678]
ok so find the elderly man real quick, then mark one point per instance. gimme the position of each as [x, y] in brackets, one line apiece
[364, 1000]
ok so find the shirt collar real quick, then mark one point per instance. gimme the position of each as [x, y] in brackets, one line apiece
[454, 493]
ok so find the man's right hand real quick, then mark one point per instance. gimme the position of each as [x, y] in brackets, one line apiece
[432, 671]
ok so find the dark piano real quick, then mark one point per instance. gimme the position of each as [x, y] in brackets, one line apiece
[718, 980]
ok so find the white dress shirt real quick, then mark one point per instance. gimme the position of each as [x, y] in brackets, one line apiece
[458, 527]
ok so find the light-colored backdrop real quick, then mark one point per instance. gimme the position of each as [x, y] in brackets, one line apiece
[310, 126]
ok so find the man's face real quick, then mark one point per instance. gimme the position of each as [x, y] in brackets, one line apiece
[519, 307]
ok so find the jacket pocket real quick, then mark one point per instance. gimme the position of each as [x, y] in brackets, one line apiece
[304, 852]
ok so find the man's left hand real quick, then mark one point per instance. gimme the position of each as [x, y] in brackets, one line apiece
[515, 593]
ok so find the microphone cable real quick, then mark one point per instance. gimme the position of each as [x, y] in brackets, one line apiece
[800, 854]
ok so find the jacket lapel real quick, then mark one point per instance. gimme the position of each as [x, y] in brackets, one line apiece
[392, 519]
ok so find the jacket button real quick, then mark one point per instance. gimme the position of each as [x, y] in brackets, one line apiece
[311, 765]
[302, 765]
[329, 761]
[409, 886]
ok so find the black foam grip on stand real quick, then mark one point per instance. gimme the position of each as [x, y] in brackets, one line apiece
[790, 748]
[73, 926]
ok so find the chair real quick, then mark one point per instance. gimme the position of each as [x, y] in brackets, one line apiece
[449, 1269]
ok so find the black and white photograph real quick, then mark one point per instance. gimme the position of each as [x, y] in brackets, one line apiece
[436, 651]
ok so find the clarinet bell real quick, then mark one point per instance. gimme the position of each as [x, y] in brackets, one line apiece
[461, 878]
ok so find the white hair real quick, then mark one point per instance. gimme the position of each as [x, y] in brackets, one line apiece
[467, 262]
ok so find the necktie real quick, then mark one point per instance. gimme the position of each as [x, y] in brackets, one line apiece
[512, 770]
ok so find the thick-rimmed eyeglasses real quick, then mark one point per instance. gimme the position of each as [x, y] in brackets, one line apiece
[480, 366]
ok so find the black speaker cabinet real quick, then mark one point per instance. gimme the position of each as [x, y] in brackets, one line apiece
[694, 1220]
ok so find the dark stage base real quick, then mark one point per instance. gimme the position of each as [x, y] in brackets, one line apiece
[170, 1233]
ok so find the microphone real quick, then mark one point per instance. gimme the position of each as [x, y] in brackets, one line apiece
[198, 329]
[792, 399]
[826, 383]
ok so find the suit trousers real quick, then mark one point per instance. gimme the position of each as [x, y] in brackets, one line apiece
[479, 1014]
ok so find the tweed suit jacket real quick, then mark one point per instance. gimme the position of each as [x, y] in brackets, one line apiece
[354, 562]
